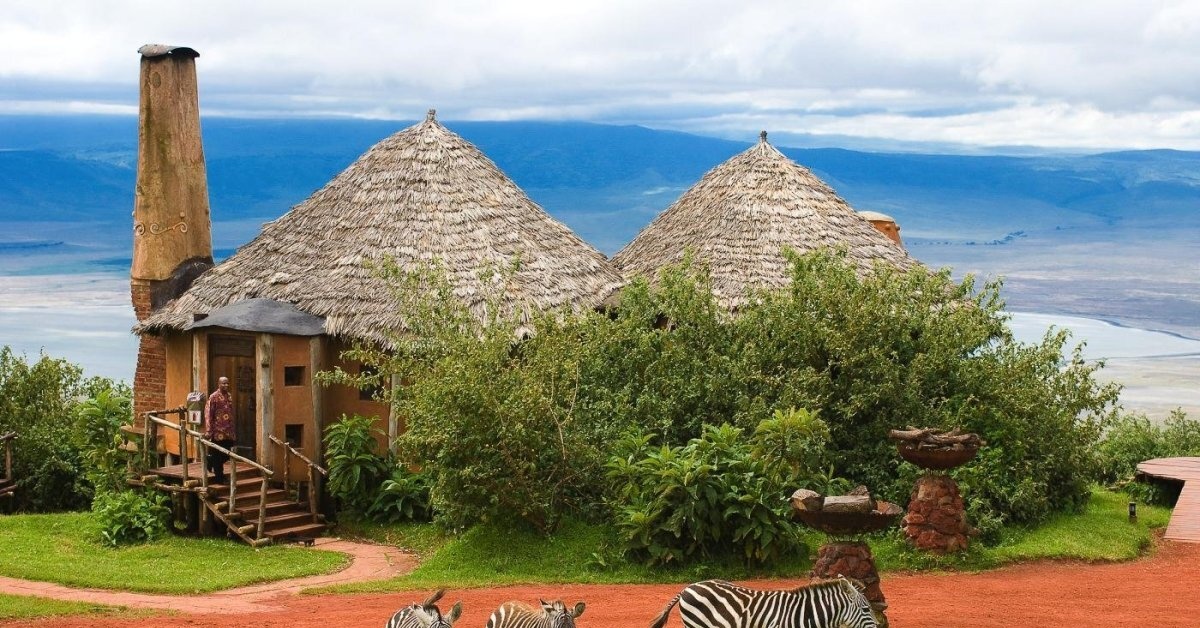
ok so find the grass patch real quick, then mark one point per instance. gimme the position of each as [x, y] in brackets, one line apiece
[26, 607]
[582, 553]
[63, 548]
[578, 552]
[1101, 533]
[421, 539]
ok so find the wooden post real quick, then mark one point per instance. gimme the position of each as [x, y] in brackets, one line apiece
[265, 398]
[202, 451]
[183, 448]
[232, 485]
[312, 493]
[287, 486]
[262, 507]
[316, 357]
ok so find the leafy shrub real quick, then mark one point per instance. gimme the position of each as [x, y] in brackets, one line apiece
[711, 497]
[1133, 438]
[129, 516]
[523, 429]
[791, 445]
[403, 497]
[355, 470]
[97, 434]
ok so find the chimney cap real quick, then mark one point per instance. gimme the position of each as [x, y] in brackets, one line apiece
[161, 50]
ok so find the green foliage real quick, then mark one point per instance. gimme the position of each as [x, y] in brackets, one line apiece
[523, 428]
[708, 498]
[791, 445]
[1133, 439]
[126, 517]
[38, 400]
[403, 497]
[97, 435]
[355, 470]
[30, 607]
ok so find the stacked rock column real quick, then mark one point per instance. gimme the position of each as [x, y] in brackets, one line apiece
[936, 520]
[852, 559]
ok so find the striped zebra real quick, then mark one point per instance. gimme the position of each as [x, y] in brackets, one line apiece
[517, 615]
[717, 604]
[425, 615]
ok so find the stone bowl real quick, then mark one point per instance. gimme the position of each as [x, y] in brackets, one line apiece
[937, 459]
[850, 523]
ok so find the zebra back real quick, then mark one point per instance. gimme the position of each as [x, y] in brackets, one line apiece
[719, 604]
[551, 615]
[425, 614]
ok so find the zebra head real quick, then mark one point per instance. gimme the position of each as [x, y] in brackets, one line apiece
[428, 615]
[858, 613]
[557, 615]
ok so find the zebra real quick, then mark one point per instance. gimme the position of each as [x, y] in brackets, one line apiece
[718, 604]
[517, 615]
[425, 615]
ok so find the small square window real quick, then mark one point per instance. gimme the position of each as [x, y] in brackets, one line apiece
[293, 376]
[369, 392]
[293, 433]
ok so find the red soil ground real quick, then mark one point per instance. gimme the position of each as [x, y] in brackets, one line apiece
[1162, 590]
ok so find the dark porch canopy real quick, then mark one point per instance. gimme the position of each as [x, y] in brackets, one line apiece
[263, 316]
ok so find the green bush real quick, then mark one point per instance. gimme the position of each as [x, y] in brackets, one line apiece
[38, 400]
[130, 516]
[523, 428]
[403, 497]
[1133, 438]
[97, 435]
[711, 497]
[355, 470]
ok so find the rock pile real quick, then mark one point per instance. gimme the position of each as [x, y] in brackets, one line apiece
[936, 520]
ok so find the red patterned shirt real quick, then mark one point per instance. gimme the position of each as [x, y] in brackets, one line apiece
[218, 417]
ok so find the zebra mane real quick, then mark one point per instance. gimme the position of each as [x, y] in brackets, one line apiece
[827, 583]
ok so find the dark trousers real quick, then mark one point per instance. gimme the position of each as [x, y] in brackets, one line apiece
[217, 460]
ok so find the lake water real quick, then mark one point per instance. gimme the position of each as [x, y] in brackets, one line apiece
[87, 319]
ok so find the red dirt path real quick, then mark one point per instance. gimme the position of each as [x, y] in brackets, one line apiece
[1162, 591]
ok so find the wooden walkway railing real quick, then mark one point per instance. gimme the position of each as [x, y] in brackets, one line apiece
[1185, 519]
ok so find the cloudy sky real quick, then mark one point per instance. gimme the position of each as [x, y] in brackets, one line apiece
[1083, 74]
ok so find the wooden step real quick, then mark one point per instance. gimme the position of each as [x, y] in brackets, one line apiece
[286, 520]
[306, 531]
[278, 507]
[244, 485]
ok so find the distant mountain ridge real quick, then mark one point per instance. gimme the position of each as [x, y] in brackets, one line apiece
[1108, 235]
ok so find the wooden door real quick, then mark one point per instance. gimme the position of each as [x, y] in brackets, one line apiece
[233, 357]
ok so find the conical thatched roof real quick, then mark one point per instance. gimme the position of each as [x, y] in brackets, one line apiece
[420, 195]
[741, 215]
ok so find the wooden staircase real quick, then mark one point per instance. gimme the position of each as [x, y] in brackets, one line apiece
[284, 517]
[255, 503]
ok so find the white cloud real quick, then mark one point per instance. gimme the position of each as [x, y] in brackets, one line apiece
[1105, 73]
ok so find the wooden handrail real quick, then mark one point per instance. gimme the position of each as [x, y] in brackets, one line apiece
[7, 437]
[297, 454]
[313, 469]
[200, 438]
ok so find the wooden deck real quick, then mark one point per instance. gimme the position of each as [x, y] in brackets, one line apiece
[1185, 519]
[175, 471]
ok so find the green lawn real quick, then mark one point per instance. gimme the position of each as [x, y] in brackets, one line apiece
[22, 607]
[582, 553]
[62, 548]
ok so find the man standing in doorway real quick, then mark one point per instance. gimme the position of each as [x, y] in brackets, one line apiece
[218, 427]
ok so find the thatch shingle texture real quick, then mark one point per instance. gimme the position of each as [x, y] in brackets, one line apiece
[741, 215]
[421, 195]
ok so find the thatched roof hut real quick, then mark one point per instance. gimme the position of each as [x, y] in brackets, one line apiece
[741, 215]
[421, 195]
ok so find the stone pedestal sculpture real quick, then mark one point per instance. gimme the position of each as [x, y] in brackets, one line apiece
[936, 519]
[845, 518]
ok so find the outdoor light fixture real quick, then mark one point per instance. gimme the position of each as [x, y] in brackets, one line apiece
[1133, 511]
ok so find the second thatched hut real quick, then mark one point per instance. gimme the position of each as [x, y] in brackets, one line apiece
[741, 215]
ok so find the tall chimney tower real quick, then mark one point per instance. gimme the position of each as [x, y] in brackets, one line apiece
[172, 241]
